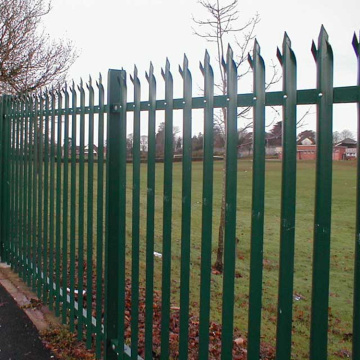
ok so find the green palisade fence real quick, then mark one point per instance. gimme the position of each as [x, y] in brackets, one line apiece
[81, 223]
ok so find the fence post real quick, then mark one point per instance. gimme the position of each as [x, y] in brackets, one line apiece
[4, 182]
[1, 176]
[115, 215]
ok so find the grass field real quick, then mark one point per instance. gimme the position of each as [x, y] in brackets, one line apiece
[342, 247]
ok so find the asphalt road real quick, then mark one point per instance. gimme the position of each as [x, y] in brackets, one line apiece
[19, 338]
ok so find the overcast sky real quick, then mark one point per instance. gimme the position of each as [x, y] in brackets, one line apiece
[120, 33]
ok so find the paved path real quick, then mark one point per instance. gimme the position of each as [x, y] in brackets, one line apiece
[19, 338]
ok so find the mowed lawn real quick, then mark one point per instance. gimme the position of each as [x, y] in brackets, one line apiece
[342, 247]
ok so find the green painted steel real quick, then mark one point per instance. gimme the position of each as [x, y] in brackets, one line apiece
[90, 215]
[207, 208]
[2, 207]
[230, 208]
[21, 195]
[65, 202]
[3, 161]
[135, 220]
[167, 213]
[322, 223]
[30, 189]
[115, 231]
[16, 189]
[58, 211]
[40, 249]
[81, 213]
[46, 198]
[100, 223]
[2, 182]
[73, 232]
[288, 204]
[150, 215]
[257, 210]
[356, 311]
[56, 159]
[35, 192]
[52, 202]
[186, 213]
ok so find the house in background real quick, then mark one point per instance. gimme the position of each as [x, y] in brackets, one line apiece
[306, 149]
[350, 148]
[344, 150]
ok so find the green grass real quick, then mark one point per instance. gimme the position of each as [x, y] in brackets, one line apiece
[342, 246]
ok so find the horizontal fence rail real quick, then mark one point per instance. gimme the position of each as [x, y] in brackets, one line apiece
[121, 248]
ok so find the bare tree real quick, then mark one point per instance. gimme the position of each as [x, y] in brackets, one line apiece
[346, 133]
[29, 59]
[221, 26]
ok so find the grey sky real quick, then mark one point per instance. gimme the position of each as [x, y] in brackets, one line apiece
[121, 33]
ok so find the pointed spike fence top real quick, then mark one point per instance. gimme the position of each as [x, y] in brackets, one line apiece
[223, 63]
[256, 48]
[286, 41]
[65, 89]
[165, 71]
[89, 85]
[81, 86]
[72, 87]
[314, 50]
[185, 62]
[99, 82]
[207, 57]
[323, 36]
[135, 78]
[122, 78]
[250, 60]
[356, 45]
[150, 75]
[279, 56]
[58, 92]
[230, 53]
[201, 68]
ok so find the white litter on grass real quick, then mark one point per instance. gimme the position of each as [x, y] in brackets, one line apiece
[76, 291]
[157, 254]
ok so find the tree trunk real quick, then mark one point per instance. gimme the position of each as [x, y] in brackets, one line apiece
[219, 264]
